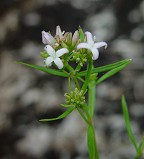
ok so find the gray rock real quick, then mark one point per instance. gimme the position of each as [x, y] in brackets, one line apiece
[127, 48]
[36, 142]
[103, 24]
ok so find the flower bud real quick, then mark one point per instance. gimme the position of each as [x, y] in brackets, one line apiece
[59, 33]
[75, 37]
[44, 54]
[47, 38]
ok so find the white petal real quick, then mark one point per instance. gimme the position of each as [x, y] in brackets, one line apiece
[100, 44]
[83, 45]
[50, 50]
[59, 63]
[62, 51]
[47, 38]
[48, 61]
[95, 53]
[89, 38]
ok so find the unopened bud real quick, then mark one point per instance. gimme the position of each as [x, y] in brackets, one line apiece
[44, 54]
[75, 37]
[47, 38]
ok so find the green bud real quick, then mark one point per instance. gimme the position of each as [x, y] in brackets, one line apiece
[83, 98]
[44, 54]
[78, 59]
[77, 102]
[81, 64]
[81, 103]
[81, 34]
[85, 60]
[64, 45]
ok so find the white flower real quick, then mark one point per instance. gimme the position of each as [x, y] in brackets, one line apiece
[54, 56]
[47, 38]
[91, 45]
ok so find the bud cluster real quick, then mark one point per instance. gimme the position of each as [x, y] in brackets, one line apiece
[61, 39]
[80, 57]
[75, 98]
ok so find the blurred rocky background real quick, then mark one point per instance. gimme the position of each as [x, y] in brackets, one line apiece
[27, 95]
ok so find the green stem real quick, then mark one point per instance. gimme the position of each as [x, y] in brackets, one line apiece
[91, 104]
[72, 72]
[66, 73]
[96, 149]
[86, 110]
[91, 97]
[81, 79]
[69, 68]
[89, 69]
[78, 68]
[82, 115]
[76, 83]
[69, 84]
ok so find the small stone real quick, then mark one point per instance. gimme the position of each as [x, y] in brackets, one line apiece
[36, 142]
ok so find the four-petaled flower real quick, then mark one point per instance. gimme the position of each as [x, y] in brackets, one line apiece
[92, 45]
[54, 56]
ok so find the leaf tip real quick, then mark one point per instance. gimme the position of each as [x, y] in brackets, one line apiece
[16, 62]
[123, 100]
[42, 120]
[122, 97]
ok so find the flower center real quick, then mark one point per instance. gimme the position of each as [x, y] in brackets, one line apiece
[54, 55]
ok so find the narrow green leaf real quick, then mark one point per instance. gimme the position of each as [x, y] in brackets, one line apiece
[127, 123]
[142, 145]
[66, 113]
[111, 73]
[66, 105]
[91, 142]
[44, 69]
[106, 67]
[141, 148]
[82, 80]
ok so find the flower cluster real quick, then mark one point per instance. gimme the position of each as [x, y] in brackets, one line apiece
[75, 98]
[74, 46]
